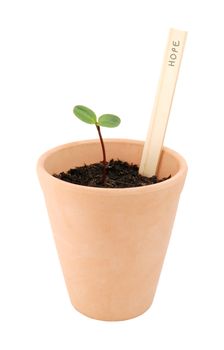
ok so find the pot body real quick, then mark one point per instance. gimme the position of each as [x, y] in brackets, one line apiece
[111, 242]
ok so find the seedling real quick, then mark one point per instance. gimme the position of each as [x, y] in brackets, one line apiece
[108, 120]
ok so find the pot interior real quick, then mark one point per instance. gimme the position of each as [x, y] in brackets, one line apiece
[76, 154]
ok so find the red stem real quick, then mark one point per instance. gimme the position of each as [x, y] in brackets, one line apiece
[104, 154]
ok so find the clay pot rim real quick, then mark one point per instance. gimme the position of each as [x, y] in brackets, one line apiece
[112, 191]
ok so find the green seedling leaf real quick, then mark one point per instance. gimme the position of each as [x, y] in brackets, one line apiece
[109, 120]
[85, 114]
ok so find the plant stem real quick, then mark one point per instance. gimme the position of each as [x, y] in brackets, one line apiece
[104, 154]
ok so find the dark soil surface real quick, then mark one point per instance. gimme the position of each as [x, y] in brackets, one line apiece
[119, 175]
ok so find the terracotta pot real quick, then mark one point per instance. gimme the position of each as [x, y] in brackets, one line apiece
[111, 242]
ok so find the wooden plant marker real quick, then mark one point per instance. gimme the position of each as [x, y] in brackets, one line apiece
[163, 101]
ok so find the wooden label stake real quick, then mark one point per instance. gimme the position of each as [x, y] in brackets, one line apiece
[163, 101]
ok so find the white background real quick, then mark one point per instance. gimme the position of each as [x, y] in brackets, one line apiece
[107, 55]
